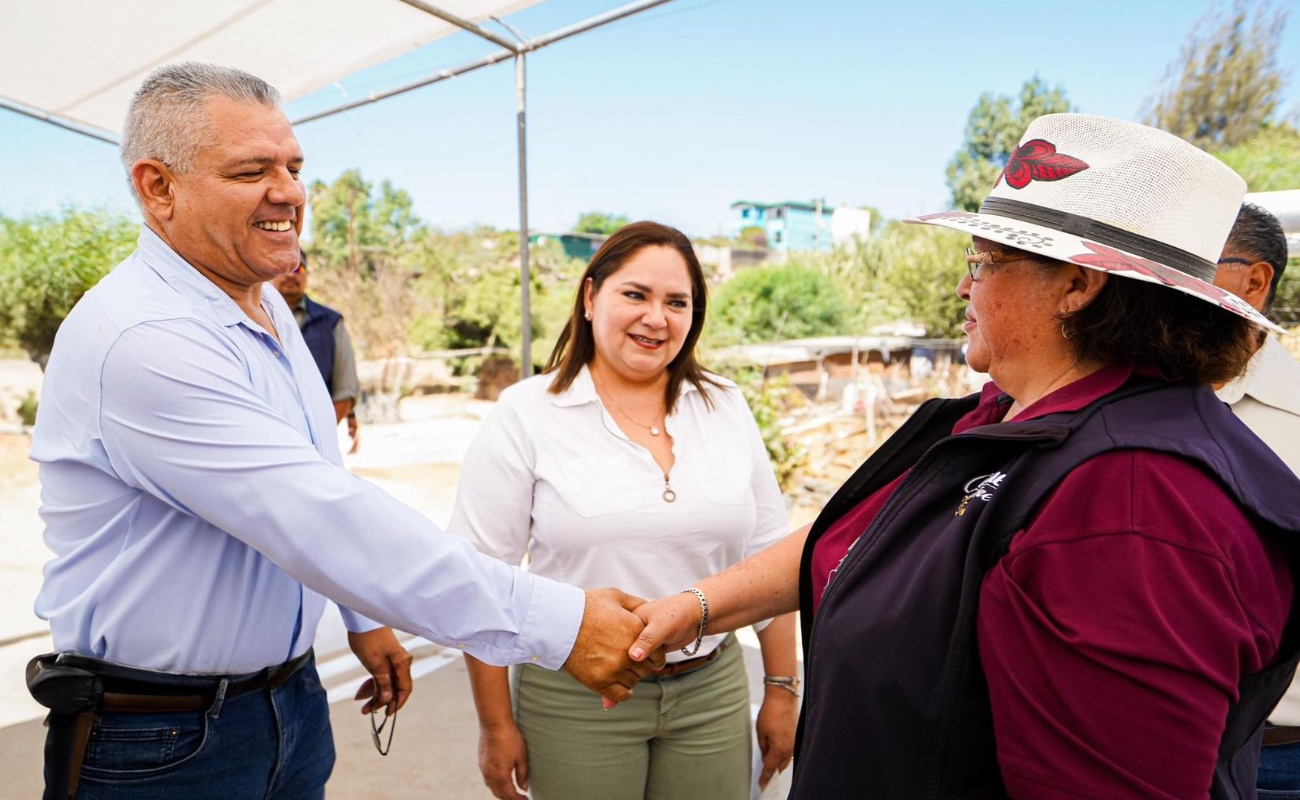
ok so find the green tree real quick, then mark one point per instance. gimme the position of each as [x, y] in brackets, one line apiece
[788, 301]
[47, 262]
[906, 273]
[1269, 160]
[366, 255]
[600, 223]
[878, 220]
[1225, 85]
[993, 131]
[767, 400]
[1286, 305]
[475, 278]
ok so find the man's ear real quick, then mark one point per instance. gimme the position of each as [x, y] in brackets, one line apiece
[155, 185]
[1259, 277]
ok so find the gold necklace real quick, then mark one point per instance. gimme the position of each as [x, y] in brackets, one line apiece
[654, 429]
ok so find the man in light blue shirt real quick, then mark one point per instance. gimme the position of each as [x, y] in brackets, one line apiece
[195, 500]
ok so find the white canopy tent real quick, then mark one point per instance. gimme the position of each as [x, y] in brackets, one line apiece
[1285, 205]
[75, 63]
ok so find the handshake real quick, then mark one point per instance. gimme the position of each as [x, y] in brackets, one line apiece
[624, 638]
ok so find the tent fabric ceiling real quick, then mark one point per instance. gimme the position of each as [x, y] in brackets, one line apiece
[80, 60]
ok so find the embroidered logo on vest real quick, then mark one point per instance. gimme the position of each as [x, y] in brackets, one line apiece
[981, 487]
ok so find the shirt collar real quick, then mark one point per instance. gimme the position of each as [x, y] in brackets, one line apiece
[1074, 396]
[583, 390]
[1272, 377]
[186, 280]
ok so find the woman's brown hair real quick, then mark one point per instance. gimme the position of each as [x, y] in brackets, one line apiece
[1180, 336]
[576, 346]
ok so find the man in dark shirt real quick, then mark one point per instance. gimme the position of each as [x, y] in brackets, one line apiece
[327, 338]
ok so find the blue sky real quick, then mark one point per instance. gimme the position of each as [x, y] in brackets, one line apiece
[674, 114]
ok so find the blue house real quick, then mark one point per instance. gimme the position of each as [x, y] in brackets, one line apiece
[788, 226]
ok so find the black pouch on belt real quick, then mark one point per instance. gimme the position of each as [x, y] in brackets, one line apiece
[72, 695]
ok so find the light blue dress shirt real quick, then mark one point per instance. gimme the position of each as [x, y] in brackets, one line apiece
[194, 498]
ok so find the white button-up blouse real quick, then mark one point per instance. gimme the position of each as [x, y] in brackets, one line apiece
[553, 477]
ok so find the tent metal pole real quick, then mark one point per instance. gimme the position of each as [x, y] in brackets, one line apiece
[463, 24]
[67, 126]
[525, 273]
[492, 58]
[442, 75]
[592, 22]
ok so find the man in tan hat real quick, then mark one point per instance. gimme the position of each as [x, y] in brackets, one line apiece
[1267, 398]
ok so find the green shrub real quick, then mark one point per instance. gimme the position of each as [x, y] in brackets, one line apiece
[27, 409]
[767, 401]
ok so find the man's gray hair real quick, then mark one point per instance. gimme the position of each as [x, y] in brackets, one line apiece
[166, 121]
[1258, 235]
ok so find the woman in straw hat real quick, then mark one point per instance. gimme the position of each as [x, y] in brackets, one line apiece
[1075, 583]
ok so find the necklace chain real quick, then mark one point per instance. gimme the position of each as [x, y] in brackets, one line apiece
[654, 429]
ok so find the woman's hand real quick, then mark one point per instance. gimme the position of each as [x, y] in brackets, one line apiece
[503, 760]
[777, 719]
[671, 623]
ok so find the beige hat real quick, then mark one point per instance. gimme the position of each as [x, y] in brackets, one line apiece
[1118, 197]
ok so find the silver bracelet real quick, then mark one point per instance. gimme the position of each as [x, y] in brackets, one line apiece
[704, 621]
[787, 682]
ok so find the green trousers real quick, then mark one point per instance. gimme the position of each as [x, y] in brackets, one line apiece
[679, 737]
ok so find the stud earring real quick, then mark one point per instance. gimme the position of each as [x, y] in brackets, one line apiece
[587, 316]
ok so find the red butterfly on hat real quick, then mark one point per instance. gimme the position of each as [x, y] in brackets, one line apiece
[1037, 160]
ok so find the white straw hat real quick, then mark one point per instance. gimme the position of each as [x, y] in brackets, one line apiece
[1118, 197]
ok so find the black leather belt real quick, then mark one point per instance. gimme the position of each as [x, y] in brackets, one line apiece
[1281, 734]
[679, 668]
[77, 689]
[142, 691]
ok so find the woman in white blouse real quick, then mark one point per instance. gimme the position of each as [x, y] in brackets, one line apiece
[627, 464]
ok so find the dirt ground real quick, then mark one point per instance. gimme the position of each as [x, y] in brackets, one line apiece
[16, 469]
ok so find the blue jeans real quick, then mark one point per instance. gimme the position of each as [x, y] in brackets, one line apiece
[1279, 772]
[263, 745]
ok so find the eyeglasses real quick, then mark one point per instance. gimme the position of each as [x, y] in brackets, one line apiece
[375, 730]
[298, 270]
[1236, 261]
[976, 260]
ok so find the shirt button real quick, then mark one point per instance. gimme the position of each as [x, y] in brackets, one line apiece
[462, 645]
[535, 659]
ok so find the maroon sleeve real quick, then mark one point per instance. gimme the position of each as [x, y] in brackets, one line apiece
[1114, 633]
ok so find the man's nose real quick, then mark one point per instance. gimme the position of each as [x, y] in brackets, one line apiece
[287, 190]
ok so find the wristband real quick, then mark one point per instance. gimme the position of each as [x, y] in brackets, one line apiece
[786, 682]
[704, 621]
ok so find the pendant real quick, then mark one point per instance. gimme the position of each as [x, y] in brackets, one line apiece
[654, 431]
[669, 495]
